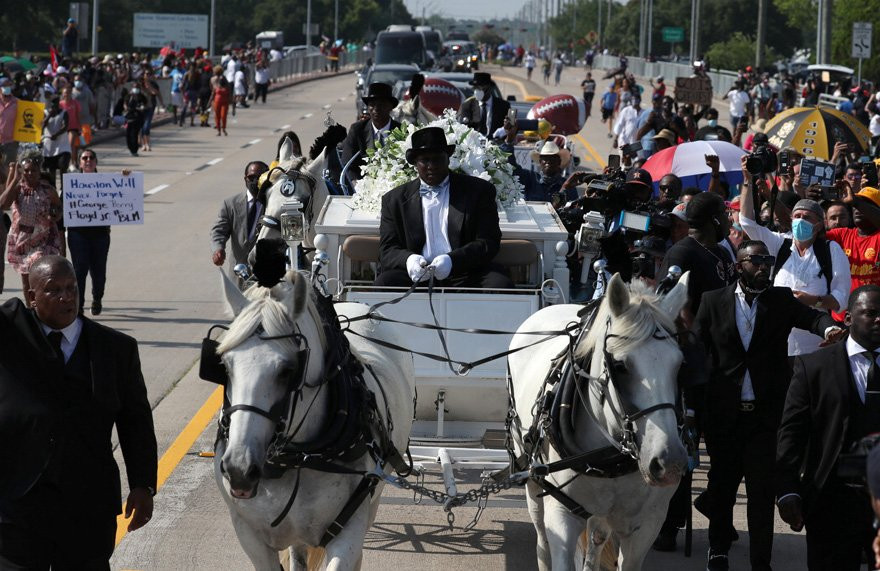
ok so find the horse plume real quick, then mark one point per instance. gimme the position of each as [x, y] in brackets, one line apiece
[415, 87]
[332, 136]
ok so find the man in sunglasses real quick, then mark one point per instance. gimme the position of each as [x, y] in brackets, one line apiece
[749, 374]
[237, 220]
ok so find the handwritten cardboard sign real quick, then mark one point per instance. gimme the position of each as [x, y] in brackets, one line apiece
[28, 127]
[693, 90]
[103, 199]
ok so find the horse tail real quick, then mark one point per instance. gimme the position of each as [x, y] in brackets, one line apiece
[315, 558]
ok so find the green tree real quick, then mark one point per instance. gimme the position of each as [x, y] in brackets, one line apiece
[736, 52]
[487, 36]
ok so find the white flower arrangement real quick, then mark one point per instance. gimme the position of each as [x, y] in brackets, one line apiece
[474, 155]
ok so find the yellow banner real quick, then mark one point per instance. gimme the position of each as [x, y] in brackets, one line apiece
[28, 122]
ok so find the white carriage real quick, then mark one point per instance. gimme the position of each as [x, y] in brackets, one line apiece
[459, 418]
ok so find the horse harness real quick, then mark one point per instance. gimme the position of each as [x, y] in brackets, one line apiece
[557, 410]
[356, 425]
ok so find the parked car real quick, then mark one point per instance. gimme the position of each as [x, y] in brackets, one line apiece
[379, 73]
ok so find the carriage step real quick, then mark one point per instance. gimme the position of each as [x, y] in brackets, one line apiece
[494, 438]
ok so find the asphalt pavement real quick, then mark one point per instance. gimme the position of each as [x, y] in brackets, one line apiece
[163, 290]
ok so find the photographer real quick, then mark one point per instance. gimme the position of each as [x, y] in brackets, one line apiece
[816, 269]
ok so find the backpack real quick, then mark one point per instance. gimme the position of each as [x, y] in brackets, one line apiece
[822, 249]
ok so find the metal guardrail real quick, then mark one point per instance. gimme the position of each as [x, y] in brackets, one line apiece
[722, 80]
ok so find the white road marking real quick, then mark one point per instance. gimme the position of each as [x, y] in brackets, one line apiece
[285, 127]
[328, 106]
[156, 189]
[213, 162]
[307, 115]
[254, 142]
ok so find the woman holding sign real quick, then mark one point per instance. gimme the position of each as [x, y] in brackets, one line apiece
[89, 246]
[36, 208]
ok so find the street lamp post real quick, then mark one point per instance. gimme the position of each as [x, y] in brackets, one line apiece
[211, 38]
[309, 24]
[336, 21]
[95, 28]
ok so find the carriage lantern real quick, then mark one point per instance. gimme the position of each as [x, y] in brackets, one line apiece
[592, 230]
[293, 223]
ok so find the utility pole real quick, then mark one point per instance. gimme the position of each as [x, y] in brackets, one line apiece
[762, 34]
[211, 38]
[650, 26]
[336, 20]
[95, 27]
[309, 23]
[827, 8]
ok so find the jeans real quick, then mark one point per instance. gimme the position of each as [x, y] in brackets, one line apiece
[89, 247]
[148, 121]
[260, 90]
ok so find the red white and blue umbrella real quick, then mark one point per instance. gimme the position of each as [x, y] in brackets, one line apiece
[688, 162]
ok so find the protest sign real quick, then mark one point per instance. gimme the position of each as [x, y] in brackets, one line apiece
[814, 171]
[103, 199]
[693, 90]
[28, 127]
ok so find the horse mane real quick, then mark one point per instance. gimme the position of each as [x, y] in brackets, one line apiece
[633, 327]
[269, 307]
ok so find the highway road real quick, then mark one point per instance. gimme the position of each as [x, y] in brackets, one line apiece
[163, 290]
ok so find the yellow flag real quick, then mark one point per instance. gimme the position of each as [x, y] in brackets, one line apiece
[28, 122]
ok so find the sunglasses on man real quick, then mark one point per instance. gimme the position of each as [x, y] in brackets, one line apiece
[761, 259]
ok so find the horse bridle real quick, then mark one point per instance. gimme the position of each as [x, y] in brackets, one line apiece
[293, 175]
[612, 369]
[282, 411]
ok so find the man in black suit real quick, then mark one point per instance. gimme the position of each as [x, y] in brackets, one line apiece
[441, 223]
[65, 382]
[366, 133]
[744, 328]
[483, 111]
[833, 401]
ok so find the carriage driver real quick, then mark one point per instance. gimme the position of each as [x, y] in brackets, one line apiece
[444, 221]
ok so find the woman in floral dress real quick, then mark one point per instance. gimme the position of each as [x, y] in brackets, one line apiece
[36, 208]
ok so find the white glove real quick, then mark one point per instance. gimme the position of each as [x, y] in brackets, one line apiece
[442, 265]
[416, 268]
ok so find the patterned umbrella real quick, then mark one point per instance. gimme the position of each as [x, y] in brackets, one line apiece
[814, 130]
[688, 162]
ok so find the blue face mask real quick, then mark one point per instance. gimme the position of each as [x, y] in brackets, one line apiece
[801, 230]
[713, 122]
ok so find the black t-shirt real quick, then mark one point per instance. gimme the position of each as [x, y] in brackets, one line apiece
[710, 268]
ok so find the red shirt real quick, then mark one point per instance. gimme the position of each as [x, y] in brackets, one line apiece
[862, 251]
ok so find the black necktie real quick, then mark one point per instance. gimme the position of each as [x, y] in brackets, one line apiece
[484, 119]
[872, 394]
[55, 342]
[251, 216]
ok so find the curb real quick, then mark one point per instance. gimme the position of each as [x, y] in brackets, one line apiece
[165, 118]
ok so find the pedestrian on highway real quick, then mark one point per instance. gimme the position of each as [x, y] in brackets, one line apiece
[240, 88]
[609, 101]
[134, 109]
[56, 143]
[192, 80]
[89, 247]
[530, 65]
[749, 375]
[220, 98]
[558, 64]
[74, 112]
[8, 111]
[153, 96]
[67, 382]
[833, 402]
[237, 220]
[588, 85]
[36, 207]
[546, 68]
[262, 76]
[83, 95]
[69, 38]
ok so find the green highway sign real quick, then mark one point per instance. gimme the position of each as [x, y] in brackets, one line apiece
[673, 35]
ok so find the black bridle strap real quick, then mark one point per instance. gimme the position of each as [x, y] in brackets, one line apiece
[646, 411]
[248, 408]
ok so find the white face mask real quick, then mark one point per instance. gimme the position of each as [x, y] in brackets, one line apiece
[479, 93]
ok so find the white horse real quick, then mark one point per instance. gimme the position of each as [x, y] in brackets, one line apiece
[636, 379]
[264, 357]
[296, 177]
[413, 112]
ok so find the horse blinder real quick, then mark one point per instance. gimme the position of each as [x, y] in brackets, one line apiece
[211, 367]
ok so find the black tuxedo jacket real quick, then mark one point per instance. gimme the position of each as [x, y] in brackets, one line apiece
[766, 358]
[473, 230]
[470, 114]
[815, 420]
[41, 431]
[359, 138]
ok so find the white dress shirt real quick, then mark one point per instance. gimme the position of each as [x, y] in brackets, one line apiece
[381, 134]
[859, 365]
[801, 273]
[745, 323]
[69, 336]
[435, 215]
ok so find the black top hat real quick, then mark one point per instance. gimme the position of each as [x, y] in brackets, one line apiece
[428, 140]
[378, 91]
[481, 78]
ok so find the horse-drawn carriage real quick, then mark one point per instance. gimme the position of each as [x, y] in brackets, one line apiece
[332, 383]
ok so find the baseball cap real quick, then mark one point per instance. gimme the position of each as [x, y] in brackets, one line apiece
[71, 21]
[870, 193]
[680, 212]
[639, 176]
[810, 206]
